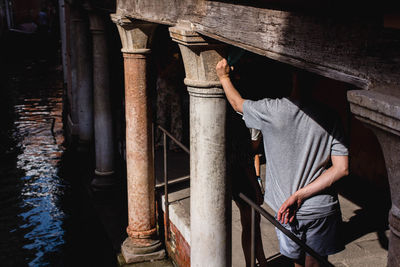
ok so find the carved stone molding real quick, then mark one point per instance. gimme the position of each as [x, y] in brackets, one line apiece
[184, 35]
[382, 111]
[200, 56]
[96, 21]
[136, 35]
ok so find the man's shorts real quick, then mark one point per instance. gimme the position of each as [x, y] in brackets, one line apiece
[322, 235]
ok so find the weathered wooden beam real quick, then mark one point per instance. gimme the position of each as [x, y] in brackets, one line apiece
[354, 49]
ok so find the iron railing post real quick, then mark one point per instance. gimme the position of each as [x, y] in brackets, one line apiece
[252, 248]
[165, 168]
[166, 212]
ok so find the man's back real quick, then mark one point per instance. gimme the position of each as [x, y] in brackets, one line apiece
[298, 142]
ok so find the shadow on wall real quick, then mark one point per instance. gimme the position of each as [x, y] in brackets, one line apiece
[367, 185]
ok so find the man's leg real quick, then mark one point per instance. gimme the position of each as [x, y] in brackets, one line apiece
[245, 219]
[289, 248]
[299, 262]
[320, 234]
[309, 261]
[323, 235]
[312, 262]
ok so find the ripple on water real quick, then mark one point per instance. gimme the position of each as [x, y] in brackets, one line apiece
[35, 189]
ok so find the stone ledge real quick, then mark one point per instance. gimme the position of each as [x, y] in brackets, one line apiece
[179, 211]
[155, 263]
[183, 34]
[377, 109]
[133, 257]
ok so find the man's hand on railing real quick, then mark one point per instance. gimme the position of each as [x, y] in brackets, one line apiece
[287, 211]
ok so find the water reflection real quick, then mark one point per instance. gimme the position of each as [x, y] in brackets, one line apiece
[40, 128]
[31, 219]
[49, 216]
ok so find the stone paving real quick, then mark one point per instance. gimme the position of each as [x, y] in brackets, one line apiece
[159, 263]
[366, 250]
[366, 243]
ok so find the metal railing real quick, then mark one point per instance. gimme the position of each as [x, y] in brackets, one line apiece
[165, 174]
[271, 219]
[254, 206]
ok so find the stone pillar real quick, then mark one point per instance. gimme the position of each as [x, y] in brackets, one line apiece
[103, 127]
[382, 114]
[84, 77]
[210, 198]
[143, 242]
[73, 121]
[63, 35]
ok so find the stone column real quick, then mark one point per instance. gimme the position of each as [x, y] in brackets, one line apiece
[103, 127]
[382, 114]
[63, 36]
[84, 77]
[73, 122]
[143, 242]
[210, 199]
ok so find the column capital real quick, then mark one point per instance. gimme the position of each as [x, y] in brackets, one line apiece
[183, 34]
[77, 13]
[200, 56]
[96, 23]
[377, 109]
[136, 35]
[96, 19]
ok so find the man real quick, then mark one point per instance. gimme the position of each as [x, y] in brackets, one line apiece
[300, 141]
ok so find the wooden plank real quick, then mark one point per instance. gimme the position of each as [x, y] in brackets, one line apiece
[353, 49]
[163, 12]
[297, 62]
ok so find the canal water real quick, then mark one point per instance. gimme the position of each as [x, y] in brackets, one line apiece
[48, 217]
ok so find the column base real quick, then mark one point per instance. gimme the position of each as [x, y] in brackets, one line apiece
[104, 179]
[163, 262]
[394, 240]
[394, 248]
[133, 252]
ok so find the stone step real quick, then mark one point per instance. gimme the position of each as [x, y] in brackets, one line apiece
[158, 263]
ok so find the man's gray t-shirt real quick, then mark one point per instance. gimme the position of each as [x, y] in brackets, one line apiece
[298, 142]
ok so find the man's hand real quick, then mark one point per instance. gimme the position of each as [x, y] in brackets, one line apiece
[223, 69]
[338, 170]
[287, 211]
[231, 93]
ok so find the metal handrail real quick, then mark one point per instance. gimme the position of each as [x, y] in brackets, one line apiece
[166, 182]
[271, 219]
[174, 139]
[254, 206]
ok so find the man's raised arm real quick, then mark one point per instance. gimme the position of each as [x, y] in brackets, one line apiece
[234, 98]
